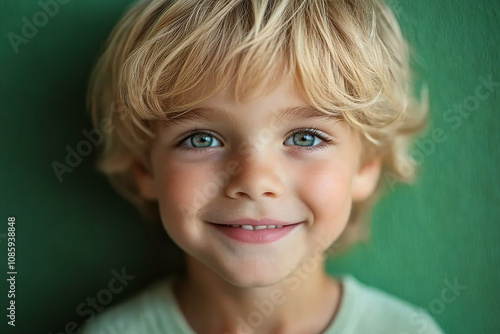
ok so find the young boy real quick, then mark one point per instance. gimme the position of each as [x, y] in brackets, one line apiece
[257, 132]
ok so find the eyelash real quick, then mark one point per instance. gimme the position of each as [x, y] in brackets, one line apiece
[312, 131]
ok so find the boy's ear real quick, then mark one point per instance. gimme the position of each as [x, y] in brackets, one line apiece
[366, 179]
[144, 180]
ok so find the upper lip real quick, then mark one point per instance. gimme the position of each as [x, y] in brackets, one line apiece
[253, 222]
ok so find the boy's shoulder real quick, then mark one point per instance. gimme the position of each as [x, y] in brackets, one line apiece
[153, 310]
[366, 309]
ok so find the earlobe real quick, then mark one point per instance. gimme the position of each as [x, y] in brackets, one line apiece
[366, 179]
[144, 180]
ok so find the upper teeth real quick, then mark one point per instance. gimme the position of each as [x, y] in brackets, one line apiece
[253, 228]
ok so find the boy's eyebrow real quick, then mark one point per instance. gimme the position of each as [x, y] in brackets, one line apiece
[210, 114]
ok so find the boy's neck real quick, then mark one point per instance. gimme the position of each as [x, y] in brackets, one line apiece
[212, 305]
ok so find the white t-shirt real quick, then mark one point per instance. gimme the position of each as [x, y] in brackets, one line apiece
[363, 310]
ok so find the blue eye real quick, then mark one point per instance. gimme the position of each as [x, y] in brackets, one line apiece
[308, 137]
[201, 140]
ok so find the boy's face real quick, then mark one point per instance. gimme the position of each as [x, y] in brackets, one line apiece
[256, 168]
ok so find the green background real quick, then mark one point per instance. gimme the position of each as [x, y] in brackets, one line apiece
[72, 234]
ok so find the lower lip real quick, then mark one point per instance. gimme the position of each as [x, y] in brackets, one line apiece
[258, 236]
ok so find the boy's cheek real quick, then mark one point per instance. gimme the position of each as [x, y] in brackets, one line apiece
[329, 199]
[325, 187]
[184, 192]
[179, 197]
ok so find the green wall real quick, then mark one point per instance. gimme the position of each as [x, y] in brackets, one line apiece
[73, 236]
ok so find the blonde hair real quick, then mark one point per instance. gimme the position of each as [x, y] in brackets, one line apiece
[348, 56]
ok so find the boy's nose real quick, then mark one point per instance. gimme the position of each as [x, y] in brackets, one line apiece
[257, 175]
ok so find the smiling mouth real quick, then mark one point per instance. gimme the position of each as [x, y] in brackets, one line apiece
[255, 227]
[255, 234]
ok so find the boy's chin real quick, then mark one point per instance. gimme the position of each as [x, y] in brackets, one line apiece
[254, 276]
